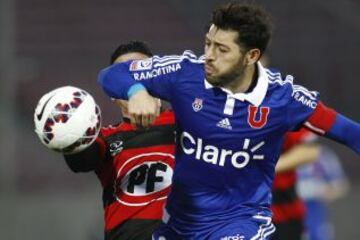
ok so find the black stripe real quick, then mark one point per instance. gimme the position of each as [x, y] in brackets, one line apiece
[84, 161]
[157, 135]
[108, 195]
[284, 196]
[39, 116]
[133, 229]
[289, 230]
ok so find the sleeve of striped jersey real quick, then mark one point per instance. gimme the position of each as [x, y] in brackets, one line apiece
[87, 160]
[327, 122]
[159, 75]
[301, 106]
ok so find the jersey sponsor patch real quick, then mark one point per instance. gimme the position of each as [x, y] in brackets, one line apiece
[144, 178]
[233, 237]
[305, 97]
[116, 147]
[155, 72]
[140, 65]
[219, 156]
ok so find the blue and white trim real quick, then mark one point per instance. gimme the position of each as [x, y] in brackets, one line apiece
[173, 59]
[265, 229]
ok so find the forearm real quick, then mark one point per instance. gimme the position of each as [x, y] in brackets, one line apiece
[345, 131]
[86, 160]
[335, 190]
[115, 81]
[297, 156]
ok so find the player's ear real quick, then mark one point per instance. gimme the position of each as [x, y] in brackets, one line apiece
[252, 56]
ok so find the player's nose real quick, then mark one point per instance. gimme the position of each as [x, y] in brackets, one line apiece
[209, 55]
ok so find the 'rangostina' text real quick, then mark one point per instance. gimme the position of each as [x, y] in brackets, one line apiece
[138, 76]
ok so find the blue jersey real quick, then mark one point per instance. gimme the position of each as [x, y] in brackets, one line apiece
[227, 143]
[314, 179]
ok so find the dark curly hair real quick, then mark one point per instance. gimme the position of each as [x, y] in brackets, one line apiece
[252, 23]
[132, 46]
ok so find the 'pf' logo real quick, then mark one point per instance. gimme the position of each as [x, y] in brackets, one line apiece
[197, 104]
[144, 178]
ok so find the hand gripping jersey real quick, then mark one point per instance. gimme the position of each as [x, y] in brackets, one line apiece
[227, 144]
[135, 169]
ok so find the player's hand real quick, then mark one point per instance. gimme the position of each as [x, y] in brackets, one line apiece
[143, 109]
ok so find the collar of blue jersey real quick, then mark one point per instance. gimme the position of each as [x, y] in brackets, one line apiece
[256, 96]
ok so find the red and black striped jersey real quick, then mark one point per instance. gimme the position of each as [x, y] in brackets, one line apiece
[286, 204]
[135, 169]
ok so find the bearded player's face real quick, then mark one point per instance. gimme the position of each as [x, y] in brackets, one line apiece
[224, 61]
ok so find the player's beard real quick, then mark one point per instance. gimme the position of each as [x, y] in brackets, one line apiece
[224, 79]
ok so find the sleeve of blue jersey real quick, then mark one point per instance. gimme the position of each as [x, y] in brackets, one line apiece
[159, 76]
[302, 104]
[116, 80]
[345, 131]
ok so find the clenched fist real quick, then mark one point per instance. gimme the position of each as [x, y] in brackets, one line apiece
[143, 109]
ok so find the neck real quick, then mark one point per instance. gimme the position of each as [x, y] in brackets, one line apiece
[243, 81]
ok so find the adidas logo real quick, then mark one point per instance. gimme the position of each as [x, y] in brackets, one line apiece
[225, 123]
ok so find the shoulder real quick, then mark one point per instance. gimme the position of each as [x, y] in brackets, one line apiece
[166, 117]
[279, 81]
[186, 64]
[109, 130]
[280, 87]
[187, 58]
[283, 86]
[187, 67]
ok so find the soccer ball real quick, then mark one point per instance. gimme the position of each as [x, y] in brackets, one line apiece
[67, 119]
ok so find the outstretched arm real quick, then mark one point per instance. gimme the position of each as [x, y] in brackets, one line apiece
[297, 156]
[157, 76]
[87, 160]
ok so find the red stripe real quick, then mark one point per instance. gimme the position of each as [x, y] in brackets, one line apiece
[323, 117]
[289, 211]
[285, 180]
[117, 213]
[294, 138]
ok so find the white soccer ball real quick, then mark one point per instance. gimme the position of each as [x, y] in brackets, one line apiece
[67, 119]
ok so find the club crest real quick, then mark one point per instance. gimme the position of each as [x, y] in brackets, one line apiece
[197, 104]
[257, 116]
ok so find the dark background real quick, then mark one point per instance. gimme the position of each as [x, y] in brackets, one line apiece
[45, 44]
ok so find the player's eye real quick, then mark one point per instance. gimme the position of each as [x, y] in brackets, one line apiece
[223, 50]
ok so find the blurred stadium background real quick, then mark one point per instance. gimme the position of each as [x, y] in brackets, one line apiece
[45, 44]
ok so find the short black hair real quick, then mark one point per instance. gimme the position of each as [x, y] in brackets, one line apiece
[129, 47]
[252, 23]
